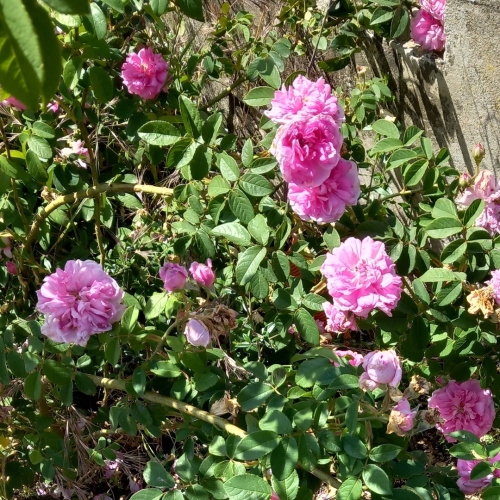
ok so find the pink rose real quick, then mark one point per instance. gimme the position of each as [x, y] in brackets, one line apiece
[381, 367]
[5, 249]
[327, 202]
[79, 301]
[428, 31]
[145, 73]
[274, 496]
[464, 407]
[15, 103]
[197, 333]
[53, 106]
[307, 150]
[485, 188]
[401, 418]
[354, 358]
[494, 282]
[202, 273]
[338, 321]
[434, 7]
[11, 267]
[361, 277]
[304, 99]
[174, 276]
[110, 468]
[470, 486]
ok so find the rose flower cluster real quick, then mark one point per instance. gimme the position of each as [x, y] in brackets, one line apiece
[427, 27]
[307, 147]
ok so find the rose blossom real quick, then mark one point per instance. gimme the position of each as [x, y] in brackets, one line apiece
[303, 99]
[202, 273]
[338, 321]
[11, 267]
[485, 187]
[307, 150]
[354, 358]
[145, 73]
[381, 367]
[490, 218]
[401, 418]
[77, 148]
[174, 276]
[434, 7]
[326, 203]
[110, 468]
[78, 302]
[197, 333]
[428, 31]
[15, 103]
[361, 277]
[5, 249]
[464, 407]
[53, 106]
[494, 283]
[470, 486]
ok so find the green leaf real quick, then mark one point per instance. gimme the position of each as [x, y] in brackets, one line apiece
[40, 147]
[248, 263]
[443, 227]
[218, 185]
[102, 85]
[166, 369]
[234, 232]
[129, 319]
[306, 326]
[468, 451]
[276, 421]
[116, 4]
[386, 145]
[241, 206]
[42, 129]
[259, 230]
[192, 8]
[211, 128]
[190, 116]
[255, 185]
[313, 302]
[259, 286]
[288, 488]
[400, 22]
[381, 15]
[384, 452]
[69, 6]
[139, 380]
[254, 395]
[12, 170]
[33, 386]
[448, 294]
[56, 372]
[72, 72]
[96, 21]
[159, 133]
[491, 493]
[474, 210]
[228, 167]
[259, 96]
[387, 128]
[84, 384]
[351, 489]
[247, 487]
[414, 173]
[247, 153]
[438, 274]
[256, 445]
[36, 168]
[400, 157]
[454, 251]
[147, 494]
[481, 470]
[377, 480]
[155, 305]
[444, 208]
[284, 458]
[354, 447]
[112, 351]
[412, 133]
[156, 475]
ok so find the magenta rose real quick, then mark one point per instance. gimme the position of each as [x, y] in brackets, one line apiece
[326, 203]
[79, 301]
[145, 73]
[303, 99]
[354, 358]
[464, 407]
[338, 321]
[428, 31]
[15, 103]
[361, 277]
[197, 333]
[174, 276]
[434, 7]
[202, 273]
[381, 367]
[307, 150]
[11, 267]
[470, 486]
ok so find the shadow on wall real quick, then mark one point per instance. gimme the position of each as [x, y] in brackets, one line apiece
[429, 93]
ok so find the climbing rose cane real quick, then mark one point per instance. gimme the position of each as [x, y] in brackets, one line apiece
[79, 301]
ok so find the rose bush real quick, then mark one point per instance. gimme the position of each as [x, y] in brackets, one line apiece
[194, 312]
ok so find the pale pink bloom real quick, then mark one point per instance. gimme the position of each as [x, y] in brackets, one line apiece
[293, 329]
[485, 187]
[77, 148]
[494, 282]
[463, 407]
[145, 73]
[434, 7]
[53, 106]
[135, 486]
[197, 333]
[321, 326]
[428, 31]
[470, 486]
[11, 267]
[490, 218]
[79, 301]
[327, 202]
[338, 321]
[354, 358]
[202, 273]
[361, 277]
[6, 249]
[401, 418]
[381, 367]
[15, 103]
[274, 496]
[303, 99]
[110, 468]
[307, 150]
[478, 153]
[174, 276]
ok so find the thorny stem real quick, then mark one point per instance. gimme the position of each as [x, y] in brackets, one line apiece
[311, 62]
[401, 193]
[219, 422]
[89, 193]
[224, 93]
